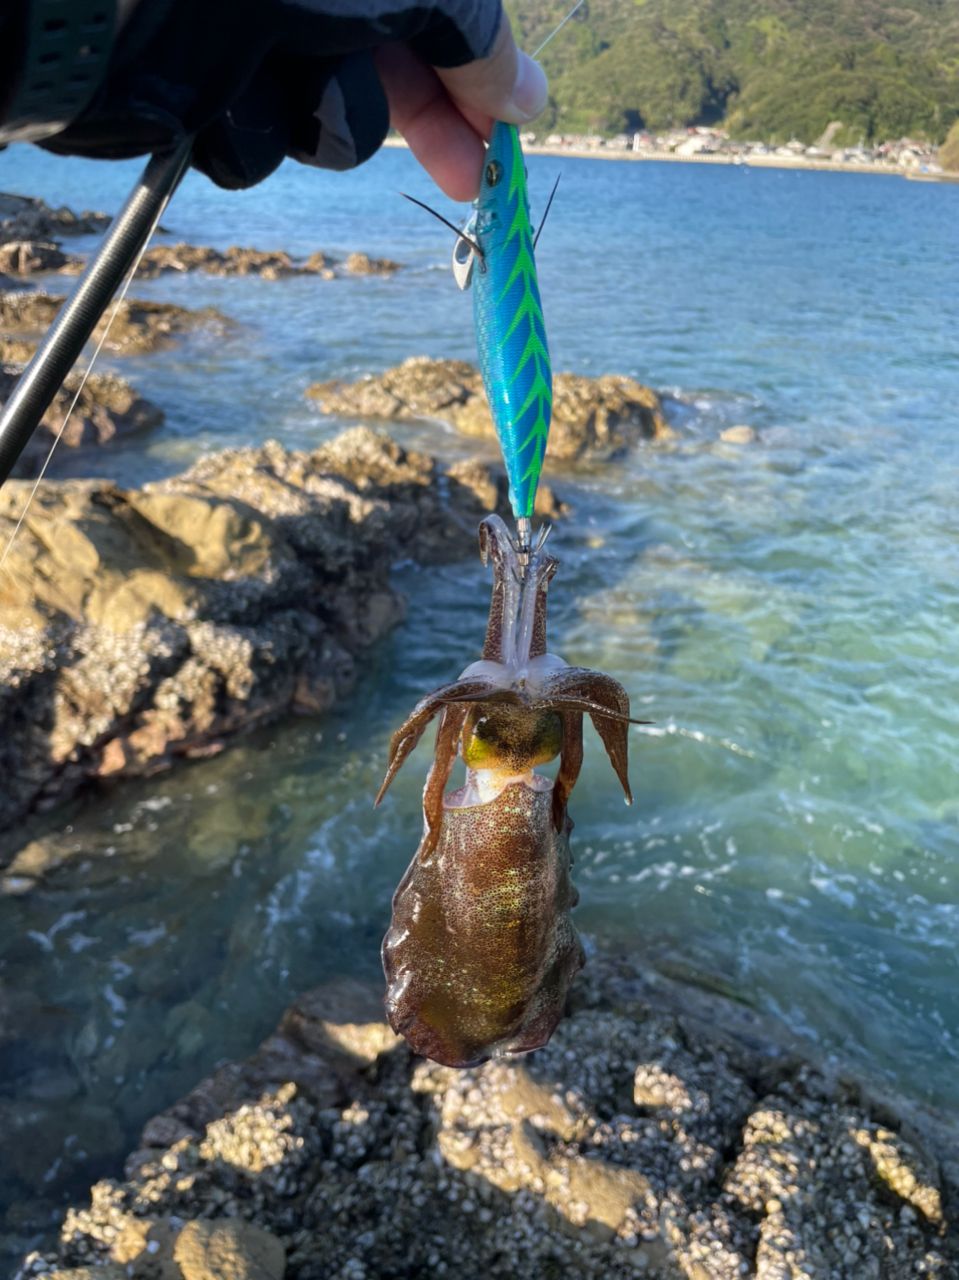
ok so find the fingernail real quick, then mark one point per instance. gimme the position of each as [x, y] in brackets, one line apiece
[530, 92]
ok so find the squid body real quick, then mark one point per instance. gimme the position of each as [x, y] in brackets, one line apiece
[481, 949]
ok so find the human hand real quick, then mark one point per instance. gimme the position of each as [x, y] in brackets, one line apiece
[445, 115]
[319, 80]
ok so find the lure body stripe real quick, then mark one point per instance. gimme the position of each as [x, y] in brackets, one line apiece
[508, 318]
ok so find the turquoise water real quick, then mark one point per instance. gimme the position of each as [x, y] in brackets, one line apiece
[787, 614]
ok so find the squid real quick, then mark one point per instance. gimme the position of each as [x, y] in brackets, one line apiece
[481, 949]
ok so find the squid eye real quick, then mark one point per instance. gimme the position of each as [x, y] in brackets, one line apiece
[494, 171]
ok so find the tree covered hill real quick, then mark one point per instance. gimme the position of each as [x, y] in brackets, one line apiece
[771, 69]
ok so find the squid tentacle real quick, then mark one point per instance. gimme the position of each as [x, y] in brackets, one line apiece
[444, 757]
[496, 545]
[570, 763]
[407, 736]
[538, 643]
[607, 704]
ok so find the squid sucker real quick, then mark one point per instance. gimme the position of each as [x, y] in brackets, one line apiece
[481, 948]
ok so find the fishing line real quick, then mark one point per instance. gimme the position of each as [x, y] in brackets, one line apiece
[118, 302]
[549, 205]
[556, 30]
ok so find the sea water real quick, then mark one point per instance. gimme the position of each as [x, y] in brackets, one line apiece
[786, 613]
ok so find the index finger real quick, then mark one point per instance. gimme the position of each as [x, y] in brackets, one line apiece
[448, 146]
[445, 113]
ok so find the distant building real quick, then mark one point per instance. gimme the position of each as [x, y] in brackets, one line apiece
[694, 146]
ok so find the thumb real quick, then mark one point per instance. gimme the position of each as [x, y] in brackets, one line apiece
[505, 85]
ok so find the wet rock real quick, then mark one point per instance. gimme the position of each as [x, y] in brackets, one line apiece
[228, 1249]
[143, 626]
[639, 1141]
[187, 1028]
[594, 419]
[108, 1272]
[320, 263]
[108, 406]
[321, 1047]
[741, 434]
[29, 257]
[163, 259]
[269, 264]
[28, 218]
[15, 351]
[361, 264]
[135, 327]
[34, 1148]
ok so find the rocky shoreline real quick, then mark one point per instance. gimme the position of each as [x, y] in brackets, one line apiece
[594, 419]
[268, 264]
[661, 1134]
[30, 218]
[143, 626]
[30, 232]
[135, 327]
[108, 407]
[140, 626]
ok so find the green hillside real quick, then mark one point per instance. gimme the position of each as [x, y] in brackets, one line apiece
[949, 152]
[771, 69]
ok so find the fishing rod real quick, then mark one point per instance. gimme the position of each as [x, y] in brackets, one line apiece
[114, 260]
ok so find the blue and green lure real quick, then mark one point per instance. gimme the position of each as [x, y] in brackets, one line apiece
[495, 254]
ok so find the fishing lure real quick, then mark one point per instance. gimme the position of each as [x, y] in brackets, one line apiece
[481, 948]
[495, 254]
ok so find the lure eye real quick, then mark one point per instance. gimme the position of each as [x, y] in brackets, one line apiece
[494, 171]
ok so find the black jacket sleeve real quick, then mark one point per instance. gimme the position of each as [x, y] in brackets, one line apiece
[250, 80]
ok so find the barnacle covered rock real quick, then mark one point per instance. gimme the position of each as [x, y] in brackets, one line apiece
[663, 1132]
[141, 625]
[107, 407]
[133, 326]
[593, 419]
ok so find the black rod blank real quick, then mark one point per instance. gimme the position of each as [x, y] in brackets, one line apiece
[78, 317]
